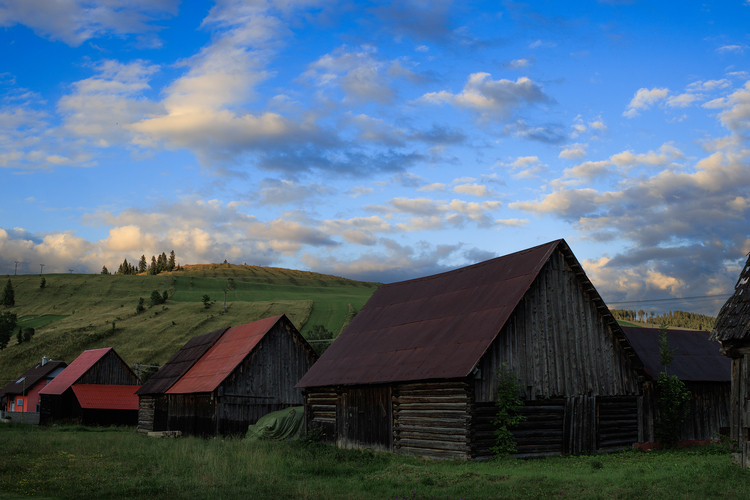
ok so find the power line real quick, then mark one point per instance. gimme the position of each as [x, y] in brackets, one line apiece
[675, 299]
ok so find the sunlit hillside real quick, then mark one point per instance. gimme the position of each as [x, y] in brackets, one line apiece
[75, 312]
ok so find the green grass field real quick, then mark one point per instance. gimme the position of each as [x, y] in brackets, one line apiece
[78, 462]
[76, 312]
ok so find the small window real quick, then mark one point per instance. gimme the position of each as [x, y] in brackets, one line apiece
[19, 402]
[20, 380]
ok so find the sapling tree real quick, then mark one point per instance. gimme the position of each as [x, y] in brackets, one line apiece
[8, 322]
[507, 402]
[43, 283]
[140, 307]
[206, 301]
[9, 295]
[674, 398]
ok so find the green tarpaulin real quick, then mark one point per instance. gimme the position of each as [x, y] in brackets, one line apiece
[279, 425]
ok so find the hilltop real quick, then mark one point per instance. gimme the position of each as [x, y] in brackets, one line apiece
[76, 312]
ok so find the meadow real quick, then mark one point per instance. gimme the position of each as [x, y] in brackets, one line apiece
[72, 462]
[76, 312]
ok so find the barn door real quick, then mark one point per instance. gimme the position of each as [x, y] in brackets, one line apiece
[364, 418]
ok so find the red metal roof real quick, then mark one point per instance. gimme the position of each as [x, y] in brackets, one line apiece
[223, 357]
[74, 371]
[433, 327]
[106, 397]
[181, 362]
[697, 358]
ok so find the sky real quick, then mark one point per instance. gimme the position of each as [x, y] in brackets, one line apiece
[381, 141]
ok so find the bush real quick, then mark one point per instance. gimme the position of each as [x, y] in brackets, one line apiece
[508, 403]
[674, 405]
[140, 307]
[206, 301]
[155, 298]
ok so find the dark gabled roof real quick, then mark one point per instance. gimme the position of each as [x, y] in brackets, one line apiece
[74, 371]
[697, 358]
[439, 326]
[733, 321]
[31, 377]
[181, 362]
[106, 397]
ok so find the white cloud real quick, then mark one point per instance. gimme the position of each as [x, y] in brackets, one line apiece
[422, 48]
[519, 63]
[573, 152]
[709, 85]
[477, 190]
[491, 99]
[644, 99]
[736, 116]
[598, 125]
[435, 186]
[682, 100]
[731, 48]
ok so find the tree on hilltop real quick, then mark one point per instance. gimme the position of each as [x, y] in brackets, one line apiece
[171, 261]
[142, 265]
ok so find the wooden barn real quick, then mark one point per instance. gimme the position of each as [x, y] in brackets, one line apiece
[19, 400]
[732, 330]
[415, 371]
[698, 363]
[223, 381]
[97, 388]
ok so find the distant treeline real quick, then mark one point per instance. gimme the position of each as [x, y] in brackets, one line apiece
[158, 264]
[677, 319]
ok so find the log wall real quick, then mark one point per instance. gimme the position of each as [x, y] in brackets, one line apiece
[110, 369]
[145, 414]
[558, 343]
[320, 412]
[433, 419]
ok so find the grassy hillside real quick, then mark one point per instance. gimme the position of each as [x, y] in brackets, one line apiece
[76, 312]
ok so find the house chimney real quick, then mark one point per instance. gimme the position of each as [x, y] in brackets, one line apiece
[44, 360]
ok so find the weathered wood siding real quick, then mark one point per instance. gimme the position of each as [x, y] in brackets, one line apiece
[110, 369]
[264, 381]
[145, 414]
[433, 419]
[364, 417]
[541, 434]
[709, 416]
[320, 412]
[616, 422]
[558, 344]
[193, 414]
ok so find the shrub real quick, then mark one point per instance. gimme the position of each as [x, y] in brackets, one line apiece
[8, 322]
[28, 333]
[140, 307]
[206, 301]
[674, 405]
[155, 298]
[43, 283]
[507, 402]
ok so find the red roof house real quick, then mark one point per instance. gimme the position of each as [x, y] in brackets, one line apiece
[223, 381]
[22, 395]
[96, 375]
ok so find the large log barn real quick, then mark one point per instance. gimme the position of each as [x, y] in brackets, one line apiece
[223, 381]
[415, 371]
[732, 329]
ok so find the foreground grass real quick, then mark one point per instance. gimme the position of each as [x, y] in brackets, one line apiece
[77, 462]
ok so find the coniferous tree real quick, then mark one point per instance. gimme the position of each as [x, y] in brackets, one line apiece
[154, 269]
[19, 336]
[104, 270]
[164, 263]
[8, 322]
[9, 295]
[43, 283]
[171, 262]
[142, 266]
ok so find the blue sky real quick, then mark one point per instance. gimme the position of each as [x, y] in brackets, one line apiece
[380, 141]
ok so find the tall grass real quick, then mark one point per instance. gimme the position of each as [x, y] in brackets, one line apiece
[76, 462]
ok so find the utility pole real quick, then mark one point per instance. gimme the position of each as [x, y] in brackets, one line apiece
[71, 271]
[16, 271]
[225, 301]
[41, 269]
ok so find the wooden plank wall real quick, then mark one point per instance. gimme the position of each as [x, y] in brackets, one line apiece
[193, 414]
[110, 369]
[145, 414]
[433, 419]
[540, 435]
[364, 417]
[616, 422]
[320, 412]
[558, 344]
[264, 381]
[710, 411]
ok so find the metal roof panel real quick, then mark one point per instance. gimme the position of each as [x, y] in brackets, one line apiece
[74, 371]
[106, 397]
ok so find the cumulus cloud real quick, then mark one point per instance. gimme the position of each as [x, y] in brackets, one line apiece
[682, 100]
[573, 152]
[75, 21]
[644, 99]
[417, 214]
[736, 116]
[492, 99]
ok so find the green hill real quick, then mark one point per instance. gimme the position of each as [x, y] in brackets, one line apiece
[76, 312]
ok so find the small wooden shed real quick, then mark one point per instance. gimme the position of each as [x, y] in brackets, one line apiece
[732, 330]
[105, 377]
[415, 371]
[223, 381]
[698, 363]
